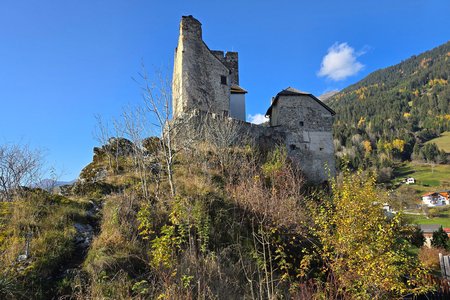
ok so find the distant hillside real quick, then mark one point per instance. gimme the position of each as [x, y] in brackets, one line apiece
[48, 184]
[325, 96]
[408, 103]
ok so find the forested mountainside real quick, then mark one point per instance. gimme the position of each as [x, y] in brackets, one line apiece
[390, 114]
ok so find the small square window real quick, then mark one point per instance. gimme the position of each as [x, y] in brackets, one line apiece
[320, 149]
[223, 79]
[301, 123]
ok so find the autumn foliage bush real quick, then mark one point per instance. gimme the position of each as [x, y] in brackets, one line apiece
[361, 249]
[429, 257]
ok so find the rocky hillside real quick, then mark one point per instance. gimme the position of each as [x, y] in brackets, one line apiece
[236, 225]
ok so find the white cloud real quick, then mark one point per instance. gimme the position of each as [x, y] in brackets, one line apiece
[340, 62]
[257, 119]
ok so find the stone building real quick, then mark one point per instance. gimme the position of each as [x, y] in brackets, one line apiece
[204, 79]
[206, 83]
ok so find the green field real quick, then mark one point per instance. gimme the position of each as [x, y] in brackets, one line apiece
[443, 142]
[428, 176]
[415, 219]
[436, 215]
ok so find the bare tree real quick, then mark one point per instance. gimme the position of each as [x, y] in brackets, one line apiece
[158, 97]
[19, 166]
[102, 134]
[118, 133]
[267, 204]
[135, 128]
[224, 134]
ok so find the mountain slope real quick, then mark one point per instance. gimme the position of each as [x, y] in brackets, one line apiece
[407, 102]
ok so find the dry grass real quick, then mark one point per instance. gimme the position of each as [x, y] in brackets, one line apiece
[48, 219]
[117, 252]
[430, 257]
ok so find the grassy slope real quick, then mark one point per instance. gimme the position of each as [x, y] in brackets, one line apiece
[5, 212]
[443, 142]
[428, 178]
[51, 219]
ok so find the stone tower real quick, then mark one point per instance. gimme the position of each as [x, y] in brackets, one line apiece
[202, 79]
[205, 86]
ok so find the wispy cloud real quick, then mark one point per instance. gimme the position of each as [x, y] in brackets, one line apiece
[340, 62]
[257, 119]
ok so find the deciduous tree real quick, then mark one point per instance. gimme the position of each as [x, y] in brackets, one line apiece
[20, 166]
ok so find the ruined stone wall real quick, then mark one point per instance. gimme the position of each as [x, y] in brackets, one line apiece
[231, 61]
[308, 127]
[202, 126]
[197, 78]
[312, 150]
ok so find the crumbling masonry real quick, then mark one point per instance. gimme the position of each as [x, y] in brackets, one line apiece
[205, 87]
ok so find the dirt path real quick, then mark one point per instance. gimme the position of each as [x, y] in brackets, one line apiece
[86, 231]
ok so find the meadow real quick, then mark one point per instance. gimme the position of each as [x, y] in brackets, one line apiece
[429, 177]
[443, 142]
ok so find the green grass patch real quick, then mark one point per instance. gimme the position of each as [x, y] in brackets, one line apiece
[444, 222]
[436, 215]
[443, 142]
[428, 177]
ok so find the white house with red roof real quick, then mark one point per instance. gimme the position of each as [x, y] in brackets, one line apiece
[436, 199]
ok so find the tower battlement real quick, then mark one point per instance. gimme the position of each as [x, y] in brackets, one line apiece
[231, 61]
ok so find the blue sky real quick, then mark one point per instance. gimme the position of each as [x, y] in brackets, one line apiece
[62, 62]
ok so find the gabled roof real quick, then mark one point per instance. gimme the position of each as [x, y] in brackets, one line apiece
[235, 89]
[429, 228]
[430, 194]
[290, 91]
[444, 194]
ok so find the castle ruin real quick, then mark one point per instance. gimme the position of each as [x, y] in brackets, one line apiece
[206, 82]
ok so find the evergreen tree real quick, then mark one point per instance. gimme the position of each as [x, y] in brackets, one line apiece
[440, 239]
[417, 237]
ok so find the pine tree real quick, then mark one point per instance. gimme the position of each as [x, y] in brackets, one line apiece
[440, 239]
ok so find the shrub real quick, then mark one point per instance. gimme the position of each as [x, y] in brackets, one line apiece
[360, 247]
[429, 257]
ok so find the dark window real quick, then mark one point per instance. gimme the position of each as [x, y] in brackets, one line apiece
[293, 147]
[223, 80]
[320, 149]
[301, 123]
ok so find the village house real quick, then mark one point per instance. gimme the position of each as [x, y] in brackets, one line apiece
[410, 180]
[433, 199]
[428, 230]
